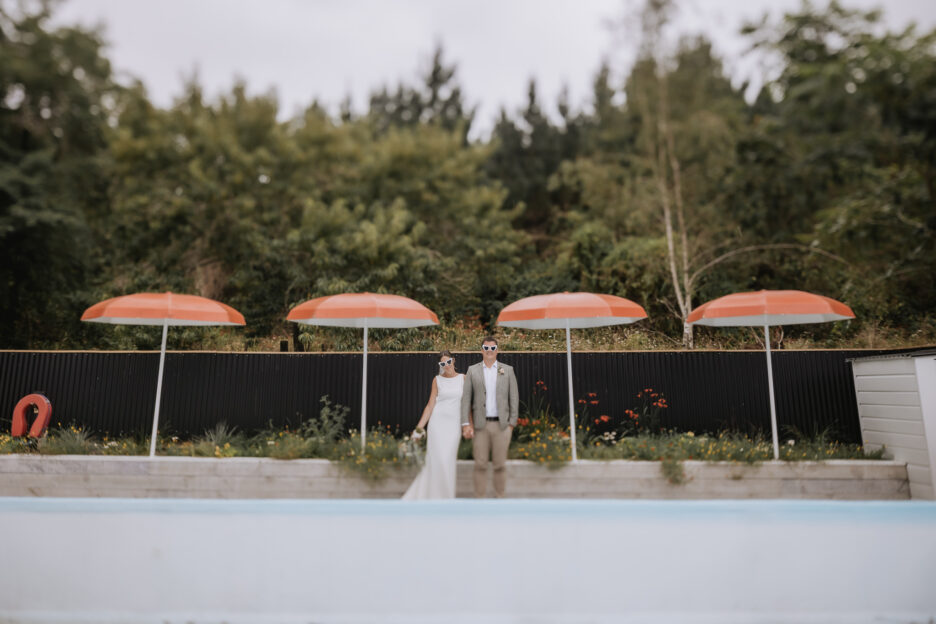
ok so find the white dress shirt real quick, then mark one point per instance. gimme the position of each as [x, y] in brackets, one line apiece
[490, 389]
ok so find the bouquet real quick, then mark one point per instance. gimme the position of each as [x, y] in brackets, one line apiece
[411, 448]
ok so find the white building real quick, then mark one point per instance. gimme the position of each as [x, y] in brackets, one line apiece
[897, 408]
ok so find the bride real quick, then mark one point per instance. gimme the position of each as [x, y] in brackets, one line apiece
[442, 414]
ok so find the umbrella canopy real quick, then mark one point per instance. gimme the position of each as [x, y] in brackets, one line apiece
[364, 310]
[767, 308]
[574, 310]
[567, 311]
[162, 309]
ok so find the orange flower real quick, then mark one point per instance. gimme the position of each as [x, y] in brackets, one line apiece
[605, 418]
[592, 394]
[594, 402]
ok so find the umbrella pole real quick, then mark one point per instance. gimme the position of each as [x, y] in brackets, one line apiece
[571, 395]
[364, 391]
[162, 361]
[773, 406]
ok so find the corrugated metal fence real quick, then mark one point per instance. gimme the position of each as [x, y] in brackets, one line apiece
[115, 392]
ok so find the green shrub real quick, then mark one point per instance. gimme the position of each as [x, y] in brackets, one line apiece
[70, 441]
[382, 451]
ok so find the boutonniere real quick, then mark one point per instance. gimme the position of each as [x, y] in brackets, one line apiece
[500, 371]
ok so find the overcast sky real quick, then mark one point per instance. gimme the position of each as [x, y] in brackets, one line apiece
[327, 49]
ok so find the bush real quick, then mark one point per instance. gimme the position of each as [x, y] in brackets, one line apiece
[382, 451]
[70, 441]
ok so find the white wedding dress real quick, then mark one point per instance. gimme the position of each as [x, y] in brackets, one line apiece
[437, 477]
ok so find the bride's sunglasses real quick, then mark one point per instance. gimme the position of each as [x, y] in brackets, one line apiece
[445, 363]
[489, 347]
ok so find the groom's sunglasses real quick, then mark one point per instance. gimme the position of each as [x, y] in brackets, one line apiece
[445, 363]
[489, 347]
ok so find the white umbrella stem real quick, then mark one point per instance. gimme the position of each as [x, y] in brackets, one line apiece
[571, 395]
[159, 378]
[773, 406]
[364, 391]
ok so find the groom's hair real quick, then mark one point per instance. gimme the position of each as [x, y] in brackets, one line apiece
[489, 339]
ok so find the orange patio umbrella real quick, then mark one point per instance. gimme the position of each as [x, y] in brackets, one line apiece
[767, 308]
[364, 310]
[567, 311]
[162, 309]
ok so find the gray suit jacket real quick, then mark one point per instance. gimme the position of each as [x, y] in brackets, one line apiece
[474, 396]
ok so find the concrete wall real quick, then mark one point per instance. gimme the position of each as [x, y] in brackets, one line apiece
[891, 414]
[183, 477]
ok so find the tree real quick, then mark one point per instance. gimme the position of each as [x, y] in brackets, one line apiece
[57, 89]
[438, 100]
[855, 106]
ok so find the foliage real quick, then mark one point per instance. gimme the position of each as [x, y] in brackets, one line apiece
[539, 435]
[382, 451]
[67, 441]
[668, 187]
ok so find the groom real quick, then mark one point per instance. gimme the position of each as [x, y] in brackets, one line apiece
[492, 398]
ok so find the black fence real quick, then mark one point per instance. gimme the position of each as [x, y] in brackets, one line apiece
[707, 391]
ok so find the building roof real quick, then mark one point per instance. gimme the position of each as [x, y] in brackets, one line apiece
[927, 351]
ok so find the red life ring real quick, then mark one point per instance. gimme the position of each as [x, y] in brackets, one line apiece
[42, 420]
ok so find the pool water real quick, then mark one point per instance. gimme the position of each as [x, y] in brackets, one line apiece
[180, 560]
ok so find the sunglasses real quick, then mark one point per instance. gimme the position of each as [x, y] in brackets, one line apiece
[489, 347]
[445, 363]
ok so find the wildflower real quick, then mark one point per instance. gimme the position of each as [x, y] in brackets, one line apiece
[594, 402]
[605, 418]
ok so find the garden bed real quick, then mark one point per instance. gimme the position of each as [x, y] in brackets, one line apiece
[251, 477]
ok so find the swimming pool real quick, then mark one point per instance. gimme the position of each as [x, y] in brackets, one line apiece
[156, 560]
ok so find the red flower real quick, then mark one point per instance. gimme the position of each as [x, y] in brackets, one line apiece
[592, 394]
[605, 418]
[594, 402]
[597, 421]
[582, 401]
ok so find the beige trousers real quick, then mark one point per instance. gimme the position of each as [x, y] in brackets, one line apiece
[492, 441]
